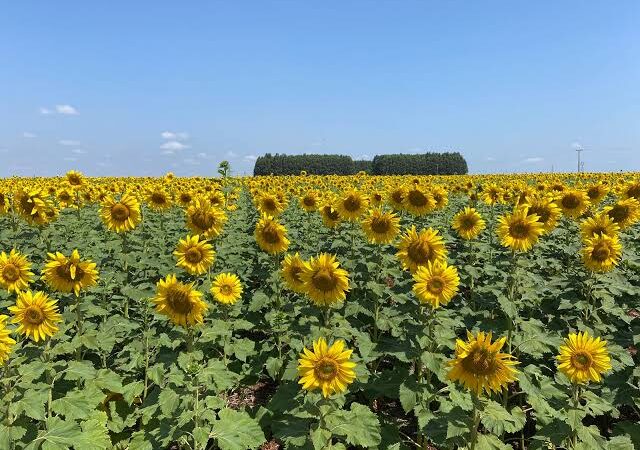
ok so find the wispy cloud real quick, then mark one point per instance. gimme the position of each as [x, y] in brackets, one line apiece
[79, 151]
[173, 146]
[533, 159]
[45, 111]
[490, 158]
[175, 135]
[250, 158]
[66, 110]
[28, 135]
[69, 142]
[202, 155]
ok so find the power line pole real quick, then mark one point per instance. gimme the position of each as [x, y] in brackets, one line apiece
[579, 150]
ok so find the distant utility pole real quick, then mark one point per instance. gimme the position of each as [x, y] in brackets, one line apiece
[579, 150]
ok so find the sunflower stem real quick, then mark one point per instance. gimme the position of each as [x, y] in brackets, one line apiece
[79, 329]
[475, 422]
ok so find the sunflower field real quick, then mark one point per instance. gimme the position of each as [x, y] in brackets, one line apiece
[320, 312]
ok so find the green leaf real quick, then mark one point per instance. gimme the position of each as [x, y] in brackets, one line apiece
[58, 435]
[80, 370]
[32, 403]
[491, 442]
[95, 435]
[109, 380]
[359, 425]
[498, 420]
[236, 430]
[168, 401]
[78, 404]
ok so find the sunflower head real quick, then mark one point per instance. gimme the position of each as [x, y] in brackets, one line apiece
[15, 271]
[624, 212]
[309, 201]
[573, 202]
[598, 224]
[419, 248]
[75, 178]
[468, 223]
[158, 199]
[6, 343]
[121, 215]
[381, 227]
[204, 219]
[226, 288]
[325, 282]
[271, 235]
[519, 230]
[69, 274]
[436, 283]
[480, 365]
[36, 314]
[180, 302]
[583, 358]
[195, 255]
[351, 205]
[601, 253]
[547, 211]
[330, 216]
[327, 368]
[292, 268]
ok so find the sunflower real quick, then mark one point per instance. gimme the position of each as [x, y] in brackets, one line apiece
[325, 282]
[583, 358]
[6, 343]
[204, 219]
[440, 196]
[330, 216]
[226, 288]
[326, 368]
[597, 193]
[271, 235]
[396, 197]
[37, 315]
[468, 223]
[573, 202]
[32, 205]
[418, 249]
[518, 230]
[598, 224]
[269, 204]
[381, 227]
[69, 274]
[436, 283]
[121, 215]
[624, 212]
[15, 273]
[180, 302]
[418, 201]
[75, 178]
[351, 205]
[601, 253]
[492, 194]
[632, 190]
[194, 255]
[292, 268]
[158, 199]
[4, 203]
[480, 366]
[185, 197]
[547, 211]
[309, 201]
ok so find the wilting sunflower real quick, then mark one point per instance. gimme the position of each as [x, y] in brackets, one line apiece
[37, 315]
[480, 366]
[468, 223]
[326, 368]
[204, 219]
[601, 253]
[547, 211]
[292, 268]
[271, 235]
[598, 224]
[226, 288]
[419, 248]
[330, 216]
[519, 230]
[194, 255]
[15, 271]
[325, 282]
[69, 274]
[6, 343]
[351, 205]
[573, 202]
[436, 283]
[121, 215]
[180, 302]
[381, 227]
[624, 212]
[418, 201]
[583, 358]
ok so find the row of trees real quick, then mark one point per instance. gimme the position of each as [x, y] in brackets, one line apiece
[398, 164]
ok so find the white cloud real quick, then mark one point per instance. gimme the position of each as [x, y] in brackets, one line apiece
[45, 111]
[201, 155]
[231, 154]
[250, 158]
[28, 135]
[534, 159]
[69, 142]
[190, 161]
[67, 110]
[173, 146]
[79, 151]
[174, 135]
[490, 158]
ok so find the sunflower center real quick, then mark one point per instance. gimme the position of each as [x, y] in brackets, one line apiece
[34, 315]
[269, 204]
[295, 272]
[420, 252]
[634, 191]
[619, 213]
[202, 220]
[570, 201]
[581, 360]
[27, 205]
[193, 255]
[185, 197]
[331, 213]
[225, 289]
[120, 212]
[593, 193]
[397, 196]
[481, 361]
[309, 201]
[158, 198]
[436, 285]
[417, 198]
[64, 196]
[326, 370]
[380, 225]
[64, 272]
[179, 300]
[11, 273]
[519, 230]
[352, 203]
[468, 222]
[74, 179]
[270, 234]
[323, 280]
[543, 214]
[601, 252]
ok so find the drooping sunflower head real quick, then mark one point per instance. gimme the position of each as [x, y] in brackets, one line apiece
[330, 216]
[624, 212]
[479, 364]
[583, 358]
[381, 227]
[598, 224]
[436, 283]
[601, 253]
[204, 219]
[69, 274]
[6, 343]
[573, 202]
[180, 302]
[326, 368]
[468, 223]
[547, 212]
[36, 314]
[195, 255]
[418, 200]
[519, 230]
[271, 235]
[226, 288]
[351, 205]
[420, 248]
[121, 215]
[292, 268]
[325, 281]
[15, 271]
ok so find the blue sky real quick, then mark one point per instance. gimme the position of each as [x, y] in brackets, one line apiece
[141, 88]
